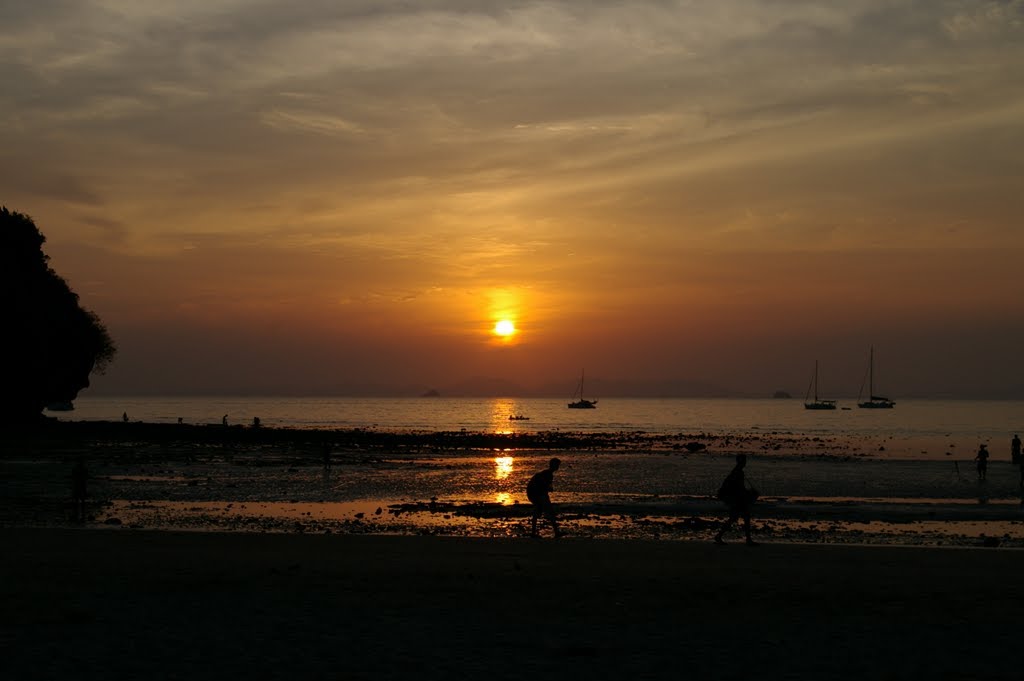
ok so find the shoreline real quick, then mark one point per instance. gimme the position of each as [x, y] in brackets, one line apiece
[53, 433]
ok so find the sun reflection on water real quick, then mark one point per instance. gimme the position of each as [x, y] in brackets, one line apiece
[506, 416]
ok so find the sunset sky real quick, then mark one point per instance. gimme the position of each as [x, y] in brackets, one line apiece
[331, 197]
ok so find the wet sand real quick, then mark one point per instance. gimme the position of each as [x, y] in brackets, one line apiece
[612, 485]
[118, 605]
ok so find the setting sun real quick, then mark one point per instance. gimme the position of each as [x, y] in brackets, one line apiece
[504, 328]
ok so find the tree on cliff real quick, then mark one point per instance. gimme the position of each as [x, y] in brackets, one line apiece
[51, 343]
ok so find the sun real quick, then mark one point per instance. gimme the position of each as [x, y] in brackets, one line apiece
[504, 328]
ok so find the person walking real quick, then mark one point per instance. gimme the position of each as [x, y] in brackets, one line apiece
[739, 498]
[538, 491]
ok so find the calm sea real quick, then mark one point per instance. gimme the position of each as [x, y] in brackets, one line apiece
[984, 420]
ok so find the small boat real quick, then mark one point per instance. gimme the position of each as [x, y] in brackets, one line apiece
[518, 417]
[582, 403]
[817, 403]
[874, 401]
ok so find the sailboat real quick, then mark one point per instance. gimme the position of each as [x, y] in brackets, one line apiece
[874, 401]
[816, 404]
[582, 403]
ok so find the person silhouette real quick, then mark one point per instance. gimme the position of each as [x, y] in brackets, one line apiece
[739, 498]
[79, 476]
[224, 420]
[537, 491]
[982, 458]
[1015, 449]
[124, 417]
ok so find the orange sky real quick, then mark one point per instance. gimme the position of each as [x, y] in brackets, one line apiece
[680, 196]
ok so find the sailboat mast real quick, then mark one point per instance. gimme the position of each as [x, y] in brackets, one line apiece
[815, 380]
[871, 374]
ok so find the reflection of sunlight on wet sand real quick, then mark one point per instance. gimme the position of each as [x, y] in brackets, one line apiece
[470, 518]
[503, 467]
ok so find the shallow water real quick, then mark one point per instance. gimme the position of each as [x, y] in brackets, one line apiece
[805, 496]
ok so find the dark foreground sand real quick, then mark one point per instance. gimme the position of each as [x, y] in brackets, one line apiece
[83, 604]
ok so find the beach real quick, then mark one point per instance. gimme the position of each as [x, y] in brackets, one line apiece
[211, 552]
[619, 485]
[125, 605]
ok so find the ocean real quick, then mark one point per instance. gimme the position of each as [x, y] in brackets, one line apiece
[984, 421]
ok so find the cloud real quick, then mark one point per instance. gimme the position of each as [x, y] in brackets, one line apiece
[986, 20]
[294, 155]
[315, 123]
[21, 177]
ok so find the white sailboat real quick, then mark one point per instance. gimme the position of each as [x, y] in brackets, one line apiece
[874, 401]
[817, 403]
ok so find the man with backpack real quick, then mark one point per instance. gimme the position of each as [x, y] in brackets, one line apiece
[739, 498]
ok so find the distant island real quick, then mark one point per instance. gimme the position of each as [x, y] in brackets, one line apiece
[431, 393]
[782, 395]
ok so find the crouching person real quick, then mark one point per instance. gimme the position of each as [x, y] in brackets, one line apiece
[538, 491]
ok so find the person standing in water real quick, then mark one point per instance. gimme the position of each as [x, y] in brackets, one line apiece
[1015, 449]
[739, 498]
[982, 458]
[537, 491]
